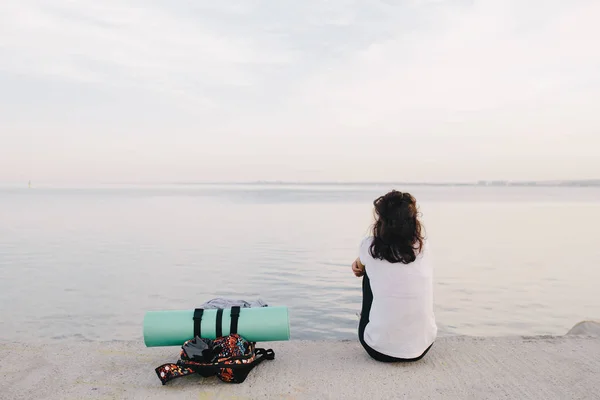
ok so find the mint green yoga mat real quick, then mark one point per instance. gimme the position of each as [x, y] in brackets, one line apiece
[256, 324]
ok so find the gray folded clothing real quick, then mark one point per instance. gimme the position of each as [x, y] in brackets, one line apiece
[224, 303]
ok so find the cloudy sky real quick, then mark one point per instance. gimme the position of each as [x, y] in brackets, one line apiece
[353, 90]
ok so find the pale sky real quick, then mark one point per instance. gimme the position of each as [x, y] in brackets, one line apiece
[312, 90]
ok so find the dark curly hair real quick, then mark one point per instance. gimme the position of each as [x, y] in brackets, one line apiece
[397, 234]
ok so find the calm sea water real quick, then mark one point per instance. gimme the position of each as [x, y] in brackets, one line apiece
[85, 264]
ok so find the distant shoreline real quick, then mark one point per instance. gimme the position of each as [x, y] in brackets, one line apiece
[482, 183]
[590, 183]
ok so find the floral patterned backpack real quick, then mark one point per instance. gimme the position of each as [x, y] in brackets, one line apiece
[230, 358]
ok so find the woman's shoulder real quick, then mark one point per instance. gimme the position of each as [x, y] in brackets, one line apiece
[365, 244]
[366, 241]
[425, 251]
[363, 252]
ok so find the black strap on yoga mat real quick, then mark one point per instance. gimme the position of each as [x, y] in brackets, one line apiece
[219, 322]
[235, 316]
[197, 321]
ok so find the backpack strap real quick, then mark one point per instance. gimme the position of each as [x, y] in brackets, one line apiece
[219, 330]
[198, 321]
[264, 354]
[235, 316]
[168, 372]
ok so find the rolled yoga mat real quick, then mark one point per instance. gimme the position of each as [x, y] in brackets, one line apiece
[255, 324]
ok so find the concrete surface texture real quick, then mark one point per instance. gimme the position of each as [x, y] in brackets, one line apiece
[566, 367]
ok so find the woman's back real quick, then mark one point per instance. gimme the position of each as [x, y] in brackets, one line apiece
[397, 320]
[401, 319]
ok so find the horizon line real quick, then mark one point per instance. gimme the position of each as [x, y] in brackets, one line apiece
[480, 182]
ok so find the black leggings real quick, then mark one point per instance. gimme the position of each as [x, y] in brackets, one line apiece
[364, 320]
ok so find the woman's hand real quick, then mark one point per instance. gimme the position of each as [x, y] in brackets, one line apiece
[357, 268]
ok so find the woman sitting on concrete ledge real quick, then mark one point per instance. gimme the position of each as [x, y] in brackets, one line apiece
[397, 321]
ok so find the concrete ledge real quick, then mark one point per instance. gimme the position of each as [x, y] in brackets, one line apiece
[456, 368]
